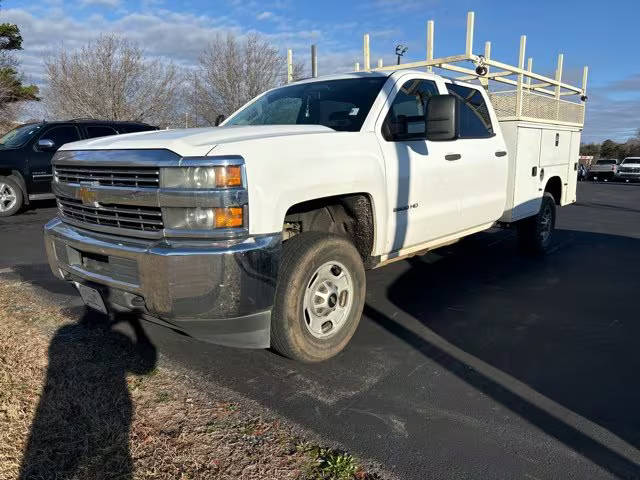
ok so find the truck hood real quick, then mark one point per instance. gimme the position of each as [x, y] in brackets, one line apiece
[192, 141]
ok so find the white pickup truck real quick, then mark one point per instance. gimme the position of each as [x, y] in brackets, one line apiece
[258, 233]
[629, 169]
[604, 169]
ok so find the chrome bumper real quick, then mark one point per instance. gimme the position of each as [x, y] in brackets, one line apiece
[629, 175]
[220, 291]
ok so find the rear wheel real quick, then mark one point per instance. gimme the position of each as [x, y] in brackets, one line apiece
[319, 297]
[535, 233]
[10, 197]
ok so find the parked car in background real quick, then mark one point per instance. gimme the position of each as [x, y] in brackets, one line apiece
[27, 150]
[604, 169]
[629, 169]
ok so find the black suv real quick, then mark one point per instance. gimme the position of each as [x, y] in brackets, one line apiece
[26, 152]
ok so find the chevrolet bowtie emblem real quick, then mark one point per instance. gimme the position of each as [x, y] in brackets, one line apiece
[87, 196]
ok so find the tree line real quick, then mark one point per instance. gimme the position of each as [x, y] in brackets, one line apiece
[612, 149]
[111, 78]
[13, 92]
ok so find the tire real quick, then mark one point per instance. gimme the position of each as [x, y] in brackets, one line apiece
[319, 297]
[535, 234]
[11, 197]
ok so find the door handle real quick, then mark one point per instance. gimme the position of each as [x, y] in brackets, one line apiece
[453, 156]
[501, 153]
[534, 171]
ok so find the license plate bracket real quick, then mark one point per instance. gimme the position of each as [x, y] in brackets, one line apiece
[91, 297]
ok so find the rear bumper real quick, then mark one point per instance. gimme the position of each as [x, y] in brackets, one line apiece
[218, 291]
[607, 174]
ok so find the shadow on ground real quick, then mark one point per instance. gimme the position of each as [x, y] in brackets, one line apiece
[564, 325]
[81, 426]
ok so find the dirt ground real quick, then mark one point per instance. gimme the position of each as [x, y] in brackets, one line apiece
[81, 400]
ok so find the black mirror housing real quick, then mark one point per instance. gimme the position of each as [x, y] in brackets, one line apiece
[219, 119]
[442, 118]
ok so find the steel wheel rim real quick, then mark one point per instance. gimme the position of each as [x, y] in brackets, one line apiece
[8, 197]
[546, 224]
[328, 300]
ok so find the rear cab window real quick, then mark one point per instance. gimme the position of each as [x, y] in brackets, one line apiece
[133, 128]
[94, 131]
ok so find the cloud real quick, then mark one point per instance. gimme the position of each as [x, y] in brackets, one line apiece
[613, 110]
[402, 6]
[264, 15]
[629, 84]
[101, 3]
[173, 36]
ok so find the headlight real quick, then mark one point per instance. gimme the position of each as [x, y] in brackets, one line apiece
[203, 218]
[202, 177]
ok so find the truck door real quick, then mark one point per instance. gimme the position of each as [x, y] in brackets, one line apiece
[422, 188]
[482, 178]
[40, 160]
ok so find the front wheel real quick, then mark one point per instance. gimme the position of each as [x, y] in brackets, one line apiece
[10, 197]
[535, 233]
[319, 297]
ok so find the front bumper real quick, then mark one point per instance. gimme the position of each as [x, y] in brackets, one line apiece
[628, 175]
[220, 291]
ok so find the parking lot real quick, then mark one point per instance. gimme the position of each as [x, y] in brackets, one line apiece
[470, 362]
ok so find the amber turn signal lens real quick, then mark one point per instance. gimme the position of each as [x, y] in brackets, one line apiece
[229, 217]
[229, 176]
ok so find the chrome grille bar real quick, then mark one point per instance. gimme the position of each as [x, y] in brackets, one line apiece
[146, 219]
[141, 177]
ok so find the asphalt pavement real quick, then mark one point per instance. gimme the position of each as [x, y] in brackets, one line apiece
[470, 362]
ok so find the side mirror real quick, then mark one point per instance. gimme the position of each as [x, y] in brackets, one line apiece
[442, 121]
[46, 145]
[219, 119]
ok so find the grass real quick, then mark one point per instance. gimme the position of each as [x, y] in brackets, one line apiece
[330, 464]
[79, 400]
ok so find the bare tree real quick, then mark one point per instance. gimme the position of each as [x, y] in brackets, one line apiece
[232, 71]
[111, 79]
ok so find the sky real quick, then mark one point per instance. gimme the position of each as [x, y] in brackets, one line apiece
[602, 35]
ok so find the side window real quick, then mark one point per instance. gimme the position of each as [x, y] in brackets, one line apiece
[474, 121]
[133, 128]
[405, 119]
[94, 131]
[61, 135]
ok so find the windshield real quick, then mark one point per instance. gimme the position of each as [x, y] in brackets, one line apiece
[339, 104]
[606, 162]
[19, 135]
[631, 160]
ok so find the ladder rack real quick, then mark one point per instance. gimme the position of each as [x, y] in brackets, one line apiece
[536, 97]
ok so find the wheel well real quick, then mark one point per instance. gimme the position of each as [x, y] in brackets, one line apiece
[17, 176]
[348, 215]
[554, 187]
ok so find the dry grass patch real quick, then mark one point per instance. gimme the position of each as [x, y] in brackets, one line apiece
[89, 402]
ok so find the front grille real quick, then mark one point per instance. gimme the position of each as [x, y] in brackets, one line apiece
[145, 177]
[146, 219]
[630, 169]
